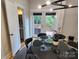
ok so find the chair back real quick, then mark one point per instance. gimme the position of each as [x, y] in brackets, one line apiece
[27, 41]
[71, 38]
[42, 35]
[58, 36]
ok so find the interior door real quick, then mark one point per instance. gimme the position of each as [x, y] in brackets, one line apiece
[12, 18]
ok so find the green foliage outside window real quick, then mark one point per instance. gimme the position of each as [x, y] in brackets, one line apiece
[50, 20]
[37, 19]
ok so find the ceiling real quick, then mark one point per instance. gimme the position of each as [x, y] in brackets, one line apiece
[35, 3]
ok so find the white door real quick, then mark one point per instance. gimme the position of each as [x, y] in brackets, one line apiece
[12, 18]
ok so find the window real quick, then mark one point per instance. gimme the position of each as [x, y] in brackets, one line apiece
[37, 19]
[37, 22]
[37, 30]
[50, 20]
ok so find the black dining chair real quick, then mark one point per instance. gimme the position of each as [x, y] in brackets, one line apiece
[57, 37]
[71, 42]
[70, 38]
[27, 41]
[42, 35]
[28, 51]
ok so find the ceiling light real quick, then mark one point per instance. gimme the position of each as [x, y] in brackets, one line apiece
[70, 5]
[51, 9]
[48, 2]
[39, 6]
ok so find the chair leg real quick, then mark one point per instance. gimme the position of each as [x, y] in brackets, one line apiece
[26, 55]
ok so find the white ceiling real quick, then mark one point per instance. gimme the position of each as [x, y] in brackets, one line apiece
[35, 3]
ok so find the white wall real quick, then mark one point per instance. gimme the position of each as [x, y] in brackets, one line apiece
[67, 19]
[70, 26]
[33, 8]
[24, 4]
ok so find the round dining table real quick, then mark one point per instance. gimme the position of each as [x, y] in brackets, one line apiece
[46, 50]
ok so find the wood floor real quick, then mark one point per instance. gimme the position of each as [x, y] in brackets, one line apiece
[22, 46]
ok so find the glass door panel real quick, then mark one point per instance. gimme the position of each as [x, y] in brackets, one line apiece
[37, 24]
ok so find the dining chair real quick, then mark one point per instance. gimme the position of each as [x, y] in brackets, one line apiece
[27, 41]
[59, 36]
[42, 35]
[70, 38]
[71, 42]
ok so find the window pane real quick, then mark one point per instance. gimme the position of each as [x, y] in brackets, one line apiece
[37, 19]
[50, 20]
[37, 30]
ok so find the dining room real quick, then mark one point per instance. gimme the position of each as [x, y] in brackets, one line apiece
[39, 29]
[53, 30]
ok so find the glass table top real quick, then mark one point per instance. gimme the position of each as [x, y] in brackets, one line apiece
[46, 50]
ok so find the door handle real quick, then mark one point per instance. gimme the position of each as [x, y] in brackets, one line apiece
[11, 34]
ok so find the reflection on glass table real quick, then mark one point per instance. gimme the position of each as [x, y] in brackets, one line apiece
[46, 50]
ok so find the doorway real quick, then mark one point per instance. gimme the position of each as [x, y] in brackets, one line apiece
[21, 28]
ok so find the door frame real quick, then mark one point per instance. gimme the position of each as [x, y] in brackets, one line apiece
[22, 21]
[22, 7]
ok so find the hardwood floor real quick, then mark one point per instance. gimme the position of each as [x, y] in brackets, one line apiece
[22, 46]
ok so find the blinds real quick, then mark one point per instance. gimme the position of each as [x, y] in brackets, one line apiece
[54, 13]
[48, 13]
[37, 13]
